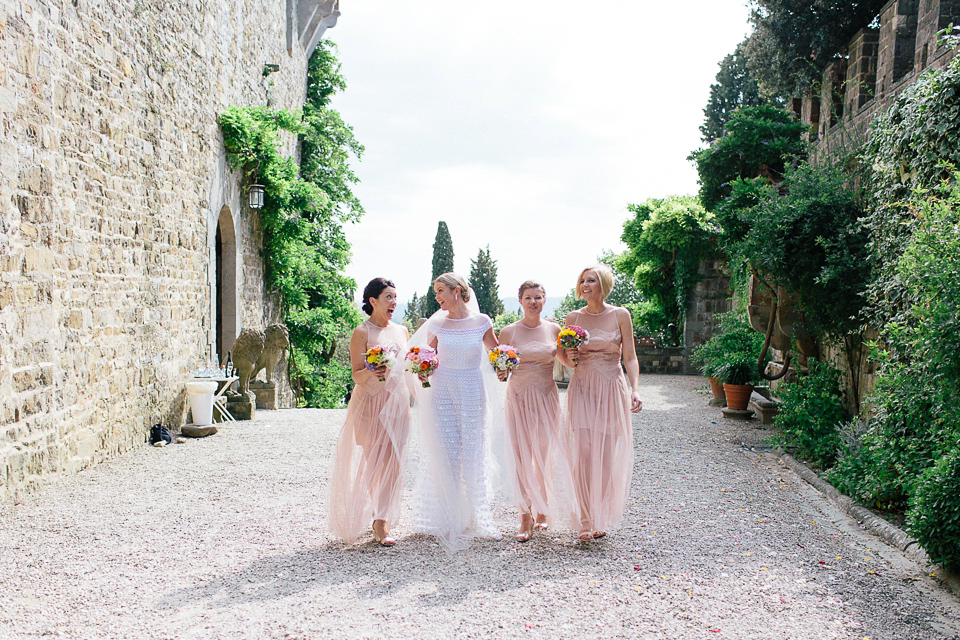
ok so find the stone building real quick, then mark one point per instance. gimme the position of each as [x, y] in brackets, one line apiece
[882, 60]
[127, 254]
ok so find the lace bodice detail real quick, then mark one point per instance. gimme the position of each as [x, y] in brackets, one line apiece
[537, 350]
[605, 339]
[460, 342]
[391, 337]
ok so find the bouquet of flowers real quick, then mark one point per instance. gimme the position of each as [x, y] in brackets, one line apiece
[504, 357]
[377, 356]
[572, 337]
[423, 362]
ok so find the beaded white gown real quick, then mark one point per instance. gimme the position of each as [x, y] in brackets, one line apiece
[459, 421]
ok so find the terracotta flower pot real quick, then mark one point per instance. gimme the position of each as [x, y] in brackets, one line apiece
[716, 388]
[738, 395]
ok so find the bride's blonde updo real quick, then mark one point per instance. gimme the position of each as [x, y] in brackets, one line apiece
[453, 280]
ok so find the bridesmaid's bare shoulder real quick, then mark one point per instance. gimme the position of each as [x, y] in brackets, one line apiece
[361, 331]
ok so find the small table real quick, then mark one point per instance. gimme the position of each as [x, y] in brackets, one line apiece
[219, 399]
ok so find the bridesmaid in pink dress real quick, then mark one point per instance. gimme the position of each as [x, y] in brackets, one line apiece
[599, 404]
[366, 478]
[533, 412]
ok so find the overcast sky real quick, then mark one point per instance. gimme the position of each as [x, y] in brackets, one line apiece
[525, 126]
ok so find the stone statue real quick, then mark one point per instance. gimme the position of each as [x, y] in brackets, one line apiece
[246, 351]
[275, 345]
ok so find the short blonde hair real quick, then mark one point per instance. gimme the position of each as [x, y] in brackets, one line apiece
[604, 275]
[531, 284]
[454, 280]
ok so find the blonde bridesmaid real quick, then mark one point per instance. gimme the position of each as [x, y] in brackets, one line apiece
[367, 478]
[599, 404]
[533, 412]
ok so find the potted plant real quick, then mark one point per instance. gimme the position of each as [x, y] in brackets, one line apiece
[735, 341]
[739, 374]
[709, 370]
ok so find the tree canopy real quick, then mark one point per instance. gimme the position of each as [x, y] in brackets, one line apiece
[666, 239]
[793, 41]
[758, 141]
[735, 87]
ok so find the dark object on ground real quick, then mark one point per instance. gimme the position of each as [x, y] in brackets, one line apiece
[160, 432]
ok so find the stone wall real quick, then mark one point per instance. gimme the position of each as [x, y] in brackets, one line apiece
[113, 187]
[669, 360]
[881, 62]
[712, 295]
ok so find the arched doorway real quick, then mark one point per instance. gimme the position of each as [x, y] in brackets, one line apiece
[227, 316]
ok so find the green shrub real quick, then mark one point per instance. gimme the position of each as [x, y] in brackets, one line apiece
[325, 386]
[934, 514]
[811, 413]
[737, 368]
[734, 340]
[505, 318]
[805, 235]
[666, 240]
[916, 402]
[650, 320]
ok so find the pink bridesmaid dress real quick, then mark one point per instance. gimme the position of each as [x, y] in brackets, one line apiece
[366, 478]
[533, 422]
[598, 417]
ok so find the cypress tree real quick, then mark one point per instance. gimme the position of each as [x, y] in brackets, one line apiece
[411, 316]
[442, 263]
[483, 279]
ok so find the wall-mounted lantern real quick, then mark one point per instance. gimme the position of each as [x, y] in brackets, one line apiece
[256, 196]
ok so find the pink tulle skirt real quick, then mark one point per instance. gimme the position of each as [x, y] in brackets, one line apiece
[601, 443]
[366, 478]
[539, 457]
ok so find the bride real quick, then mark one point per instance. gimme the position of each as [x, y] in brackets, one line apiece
[459, 418]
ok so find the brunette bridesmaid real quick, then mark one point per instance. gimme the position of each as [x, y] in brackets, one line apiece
[533, 412]
[599, 404]
[366, 478]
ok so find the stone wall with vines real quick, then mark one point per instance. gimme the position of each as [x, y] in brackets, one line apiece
[112, 183]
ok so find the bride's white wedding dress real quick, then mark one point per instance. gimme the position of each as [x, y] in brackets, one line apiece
[459, 410]
[459, 421]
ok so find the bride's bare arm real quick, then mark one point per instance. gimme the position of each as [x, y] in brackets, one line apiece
[490, 339]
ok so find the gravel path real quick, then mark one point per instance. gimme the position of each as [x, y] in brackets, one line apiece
[224, 537]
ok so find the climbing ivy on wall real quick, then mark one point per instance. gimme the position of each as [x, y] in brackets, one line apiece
[305, 206]
[666, 240]
[909, 455]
